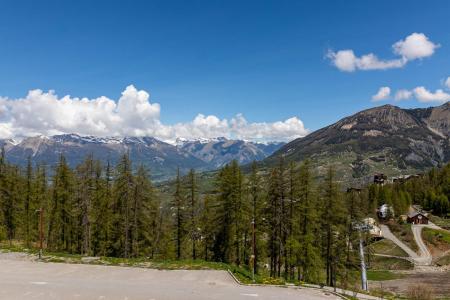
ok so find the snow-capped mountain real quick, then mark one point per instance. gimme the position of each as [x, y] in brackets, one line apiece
[220, 151]
[161, 158]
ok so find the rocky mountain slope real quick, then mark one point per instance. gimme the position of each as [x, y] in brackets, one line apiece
[218, 152]
[384, 139]
[162, 158]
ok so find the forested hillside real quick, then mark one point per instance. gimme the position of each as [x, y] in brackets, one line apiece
[303, 228]
[385, 139]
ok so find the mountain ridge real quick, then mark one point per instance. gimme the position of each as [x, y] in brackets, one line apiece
[385, 139]
[162, 158]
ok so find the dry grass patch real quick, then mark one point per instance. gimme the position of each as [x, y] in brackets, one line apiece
[420, 292]
[404, 233]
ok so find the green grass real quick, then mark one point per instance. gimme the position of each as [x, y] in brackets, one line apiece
[382, 275]
[387, 247]
[435, 236]
[444, 260]
[404, 233]
[389, 263]
[441, 222]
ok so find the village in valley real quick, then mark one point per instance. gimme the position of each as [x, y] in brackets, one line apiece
[418, 250]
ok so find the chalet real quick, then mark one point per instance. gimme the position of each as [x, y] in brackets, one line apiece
[374, 229]
[385, 211]
[405, 178]
[417, 217]
[379, 179]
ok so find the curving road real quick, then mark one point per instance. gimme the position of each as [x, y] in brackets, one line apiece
[425, 255]
[386, 232]
[425, 258]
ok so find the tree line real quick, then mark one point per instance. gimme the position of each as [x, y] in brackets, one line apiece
[430, 190]
[283, 221]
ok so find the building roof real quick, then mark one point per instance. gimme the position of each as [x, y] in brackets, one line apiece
[415, 213]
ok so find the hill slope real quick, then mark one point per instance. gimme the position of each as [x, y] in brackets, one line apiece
[382, 139]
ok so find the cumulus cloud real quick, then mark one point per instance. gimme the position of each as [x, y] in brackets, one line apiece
[131, 115]
[402, 95]
[424, 95]
[347, 61]
[382, 94]
[447, 83]
[414, 46]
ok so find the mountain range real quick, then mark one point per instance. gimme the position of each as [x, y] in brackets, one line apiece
[162, 158]
[384, 139]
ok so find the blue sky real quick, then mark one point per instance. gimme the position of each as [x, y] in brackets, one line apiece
[264, 59]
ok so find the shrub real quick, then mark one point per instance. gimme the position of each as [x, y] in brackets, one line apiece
[420, 292]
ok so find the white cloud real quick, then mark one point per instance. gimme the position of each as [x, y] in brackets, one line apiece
[131, 115]
[424, 95]
[382, 94]
[414, 46]
[403, 95]
[447, 83]
[345, 60]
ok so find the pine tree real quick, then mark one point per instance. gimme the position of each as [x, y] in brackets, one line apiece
[255, 188]
[332, 226]
[28, 210]
[273, 217]
[178, 205]
[308, 259]
[208, 226]
[192, 202]
[229, 216]
[145, 214]
[122, 221]
[62, 228]
[85, 193]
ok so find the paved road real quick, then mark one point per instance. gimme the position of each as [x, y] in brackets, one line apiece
[425, 258]
[21, 279]
[390, 236]
[425, 255]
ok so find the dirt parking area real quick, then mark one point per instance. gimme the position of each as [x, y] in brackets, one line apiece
[438, 281]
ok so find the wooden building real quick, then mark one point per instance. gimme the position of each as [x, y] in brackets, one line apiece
[417, 218]
[379, 178]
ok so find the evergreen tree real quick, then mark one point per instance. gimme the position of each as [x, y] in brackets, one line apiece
[145, 214]
[192, 202]
[178, 205]
[123, 188]
[332, 227]
[308, 259]
[255, 189]
[62, 228]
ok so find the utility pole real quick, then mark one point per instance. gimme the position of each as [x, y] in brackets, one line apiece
[253, 257]
[41, 231]
[364, 283]
[362, 228]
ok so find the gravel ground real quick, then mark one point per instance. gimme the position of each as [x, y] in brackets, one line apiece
[438, 281]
